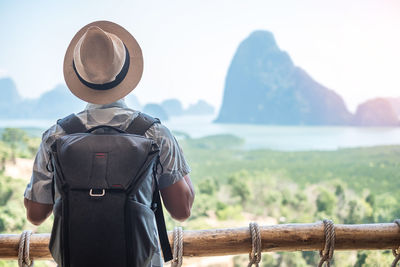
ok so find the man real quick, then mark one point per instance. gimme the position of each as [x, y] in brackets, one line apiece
[103, 63]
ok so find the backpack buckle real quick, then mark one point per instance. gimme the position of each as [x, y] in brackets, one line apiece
[97, 194]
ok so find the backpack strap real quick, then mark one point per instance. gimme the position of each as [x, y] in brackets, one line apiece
[161, 228]
[72, 124]
[141, 124]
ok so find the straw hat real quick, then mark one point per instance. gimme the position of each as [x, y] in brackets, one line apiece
[103, 63]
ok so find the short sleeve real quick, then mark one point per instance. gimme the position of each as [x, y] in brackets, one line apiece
[39, 188]
[173, 162]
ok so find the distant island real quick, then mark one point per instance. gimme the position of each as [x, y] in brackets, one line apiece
[60, 102]
[173, 107]
[376, 112]
[263, 86]
[53, 104]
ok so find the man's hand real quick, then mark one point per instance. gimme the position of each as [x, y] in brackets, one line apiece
[178, 198]
[37, 212]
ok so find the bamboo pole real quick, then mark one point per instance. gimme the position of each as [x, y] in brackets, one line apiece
[283, 237]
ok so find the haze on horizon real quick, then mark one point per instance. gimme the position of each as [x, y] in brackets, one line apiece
[350, 47]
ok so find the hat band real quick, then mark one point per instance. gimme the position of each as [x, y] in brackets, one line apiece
[106, 86]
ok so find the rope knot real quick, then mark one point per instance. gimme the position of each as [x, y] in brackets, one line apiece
[396, 252]
[23, 250]
[178, 247]
[255, 254]
[327, 253]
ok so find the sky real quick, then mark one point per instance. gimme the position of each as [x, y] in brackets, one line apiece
[352, 47]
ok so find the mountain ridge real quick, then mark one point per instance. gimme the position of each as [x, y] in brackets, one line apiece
[60, 102]
[56, 103]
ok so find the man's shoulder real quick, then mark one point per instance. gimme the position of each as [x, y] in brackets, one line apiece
[159, 132]
[123, 116]
[51, 134]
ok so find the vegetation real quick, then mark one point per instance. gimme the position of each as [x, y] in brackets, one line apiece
[234, 186]
[351, 186]
[17, 142]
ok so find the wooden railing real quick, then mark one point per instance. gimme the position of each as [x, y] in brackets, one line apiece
[283, 237]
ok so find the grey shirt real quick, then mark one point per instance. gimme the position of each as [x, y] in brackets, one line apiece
[117, 114]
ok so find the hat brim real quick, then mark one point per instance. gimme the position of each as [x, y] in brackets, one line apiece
[121, 90]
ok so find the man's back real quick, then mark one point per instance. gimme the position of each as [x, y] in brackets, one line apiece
[174, 166]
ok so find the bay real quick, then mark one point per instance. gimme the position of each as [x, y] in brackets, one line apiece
[284, 138]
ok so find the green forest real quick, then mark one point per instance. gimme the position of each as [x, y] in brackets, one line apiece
[235, 186]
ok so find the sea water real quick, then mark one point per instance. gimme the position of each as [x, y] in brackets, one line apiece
[286, 138]
[289, 138]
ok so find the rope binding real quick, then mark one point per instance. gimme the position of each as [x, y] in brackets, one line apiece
[396, 252]
[256, 248]
[178, 247]
[23, 250]
[327, 253]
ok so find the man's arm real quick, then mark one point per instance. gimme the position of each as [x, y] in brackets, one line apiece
[175, 186]
[178, 198]
[37, 212]
[38, 196]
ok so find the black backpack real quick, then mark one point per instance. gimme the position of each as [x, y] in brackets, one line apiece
[98, 220]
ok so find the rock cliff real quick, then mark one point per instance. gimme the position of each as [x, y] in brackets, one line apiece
[263, 86]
